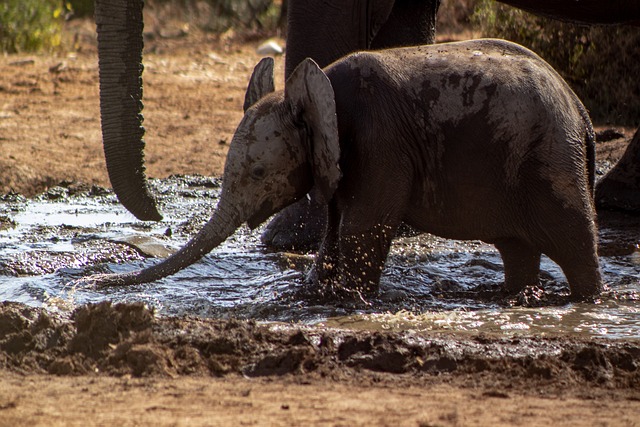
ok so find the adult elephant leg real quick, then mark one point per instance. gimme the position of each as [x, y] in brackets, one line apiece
[411, 22]
[619, 189]
[119, 26]
[300, 226]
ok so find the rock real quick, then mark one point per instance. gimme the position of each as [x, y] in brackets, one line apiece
[270, 47]
[147, 246]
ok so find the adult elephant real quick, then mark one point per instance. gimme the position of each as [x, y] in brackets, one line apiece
[325, 31]
[583, 11]
[322, 29]
[301, 224]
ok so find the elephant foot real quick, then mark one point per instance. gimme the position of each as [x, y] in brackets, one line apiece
[619, 189]
[300, 226]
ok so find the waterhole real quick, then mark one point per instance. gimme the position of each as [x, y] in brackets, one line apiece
[429, 283]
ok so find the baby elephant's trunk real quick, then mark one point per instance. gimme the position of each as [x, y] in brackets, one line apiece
[214, 232]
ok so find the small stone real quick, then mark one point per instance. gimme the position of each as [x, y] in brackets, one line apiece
[270, 47]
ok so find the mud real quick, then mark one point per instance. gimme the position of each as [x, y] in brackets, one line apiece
[127, 339]
[429, 283]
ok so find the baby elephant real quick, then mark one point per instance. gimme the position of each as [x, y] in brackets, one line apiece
[470, 140]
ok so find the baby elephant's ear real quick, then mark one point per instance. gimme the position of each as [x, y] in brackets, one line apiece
[312, 100]
[260, 84]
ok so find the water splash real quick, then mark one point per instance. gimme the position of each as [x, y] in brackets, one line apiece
[428, 284]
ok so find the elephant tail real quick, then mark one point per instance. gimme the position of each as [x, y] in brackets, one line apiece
[589, 146]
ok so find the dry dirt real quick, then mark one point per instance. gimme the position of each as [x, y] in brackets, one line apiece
[120, 365]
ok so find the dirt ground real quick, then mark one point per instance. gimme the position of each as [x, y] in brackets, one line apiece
[120, 365]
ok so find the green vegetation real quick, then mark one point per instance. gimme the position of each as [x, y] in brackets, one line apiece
[37, 25]
[31, 25]
[220, 15]
[601, 63]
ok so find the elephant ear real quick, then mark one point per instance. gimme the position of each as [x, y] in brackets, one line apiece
[260, 84]
[310, 94]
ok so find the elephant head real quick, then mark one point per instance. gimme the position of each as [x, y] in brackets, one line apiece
[286, 143]
[321, 29]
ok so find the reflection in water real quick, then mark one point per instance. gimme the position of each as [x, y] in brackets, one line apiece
[611, 320]
[429, 283]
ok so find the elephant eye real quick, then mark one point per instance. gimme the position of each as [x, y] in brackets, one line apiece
[258, 172]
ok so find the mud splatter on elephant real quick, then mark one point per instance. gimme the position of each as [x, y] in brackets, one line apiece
[469, 140]
[325, 31]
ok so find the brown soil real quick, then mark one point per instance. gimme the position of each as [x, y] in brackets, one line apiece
[50, 119]
[119, 365]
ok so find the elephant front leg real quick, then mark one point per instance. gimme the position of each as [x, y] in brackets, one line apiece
[363, 253]
[325, 270]
[351, 259]
[363, 220]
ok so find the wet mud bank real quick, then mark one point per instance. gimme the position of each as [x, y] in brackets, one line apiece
[128, 339]
[429, 283]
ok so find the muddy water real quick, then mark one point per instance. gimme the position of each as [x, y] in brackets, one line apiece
[429, 283]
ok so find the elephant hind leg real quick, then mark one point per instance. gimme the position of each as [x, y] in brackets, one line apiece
[571, 242]
[521, 264]
[581, 268]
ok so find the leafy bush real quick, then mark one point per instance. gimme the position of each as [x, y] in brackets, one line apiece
[601, 63]
[454, 16]
[220, 15]
[31, 25]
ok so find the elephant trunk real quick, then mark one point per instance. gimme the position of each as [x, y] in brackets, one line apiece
[222, 224]
[583, 12]
[119, 26]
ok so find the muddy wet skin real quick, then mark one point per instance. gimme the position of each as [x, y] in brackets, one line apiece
[429, 284]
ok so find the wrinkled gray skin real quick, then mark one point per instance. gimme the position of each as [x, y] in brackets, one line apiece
[324, 30]
[326, 33]
[619, 189]
[470, 140]
[583, 11]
